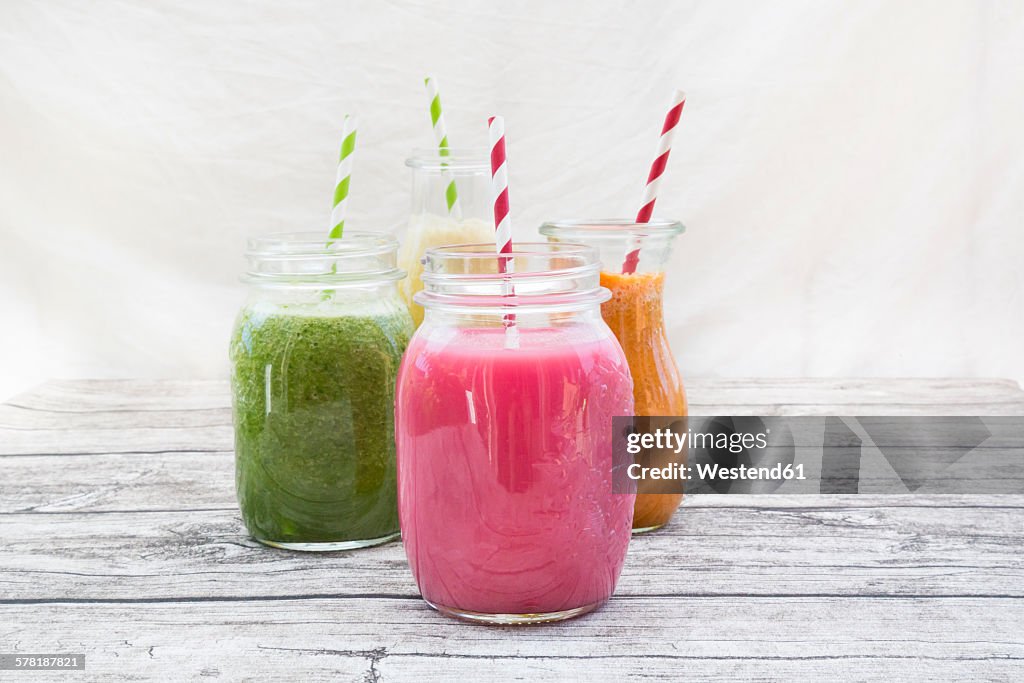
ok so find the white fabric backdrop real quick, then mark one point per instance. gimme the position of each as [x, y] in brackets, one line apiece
[850, 172]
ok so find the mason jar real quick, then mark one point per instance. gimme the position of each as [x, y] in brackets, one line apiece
[635, 313]
[504, 410]
[451, 204]
[314, 353]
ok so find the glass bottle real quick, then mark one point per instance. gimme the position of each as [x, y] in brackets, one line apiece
[635, 315]
[505, 404]
[451, 204]
[314, 352]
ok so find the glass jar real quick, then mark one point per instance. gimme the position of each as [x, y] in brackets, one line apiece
[635, 315]
[451, 204]
[315, 352]
[505, 404]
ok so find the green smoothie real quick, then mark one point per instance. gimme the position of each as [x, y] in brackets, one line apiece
[314, 388]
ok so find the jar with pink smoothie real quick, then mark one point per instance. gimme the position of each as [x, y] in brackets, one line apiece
[504, 408]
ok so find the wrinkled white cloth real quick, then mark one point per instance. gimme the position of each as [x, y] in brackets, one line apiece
[850, 172]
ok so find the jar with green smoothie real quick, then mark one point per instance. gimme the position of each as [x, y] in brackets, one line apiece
[315, 351]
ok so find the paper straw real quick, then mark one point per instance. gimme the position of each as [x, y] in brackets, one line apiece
[451, 192]
[668, 131]
[499, 190]
[348, 148]
[502, 220]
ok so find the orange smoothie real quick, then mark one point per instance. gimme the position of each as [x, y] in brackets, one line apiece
[634, 313]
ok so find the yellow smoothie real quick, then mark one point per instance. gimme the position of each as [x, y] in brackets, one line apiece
[426, 231]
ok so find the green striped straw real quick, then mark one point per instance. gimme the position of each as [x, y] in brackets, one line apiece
[348, 148]
[451, 192]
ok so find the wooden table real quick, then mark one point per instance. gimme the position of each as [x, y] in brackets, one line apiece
[121, 540]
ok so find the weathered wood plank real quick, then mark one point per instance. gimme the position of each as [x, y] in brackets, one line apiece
[129, 416]
[129, 548]
[188, 480]
[805, 667]
[1010, 406]
[826, 396]
[70, 397]
[131, 395]
[918, 551]
[671, 638]
[17, 417]
[812, 390]
[144, 440]
[120, 481]
[140, 394]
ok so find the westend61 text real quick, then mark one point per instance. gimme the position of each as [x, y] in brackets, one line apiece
[710, 472]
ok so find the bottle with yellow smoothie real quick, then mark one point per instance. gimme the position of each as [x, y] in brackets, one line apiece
[635, 314]
[451, 204]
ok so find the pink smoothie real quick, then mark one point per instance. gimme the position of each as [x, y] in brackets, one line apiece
[504, 467]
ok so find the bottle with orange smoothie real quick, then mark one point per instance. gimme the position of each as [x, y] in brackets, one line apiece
[635, 315]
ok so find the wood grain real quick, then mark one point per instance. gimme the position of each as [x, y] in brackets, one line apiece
[161, 416]
[401, 639]
[121, 540]
[898, 551]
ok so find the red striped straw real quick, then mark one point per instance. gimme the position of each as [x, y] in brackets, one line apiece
[499, 189]
[668, 130]
[502, 220]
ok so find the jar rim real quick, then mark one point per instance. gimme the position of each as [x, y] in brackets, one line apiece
[456, 158]
[312, 258]
[486, 252]
[537, 281]
[309, 242]
[613, 228]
